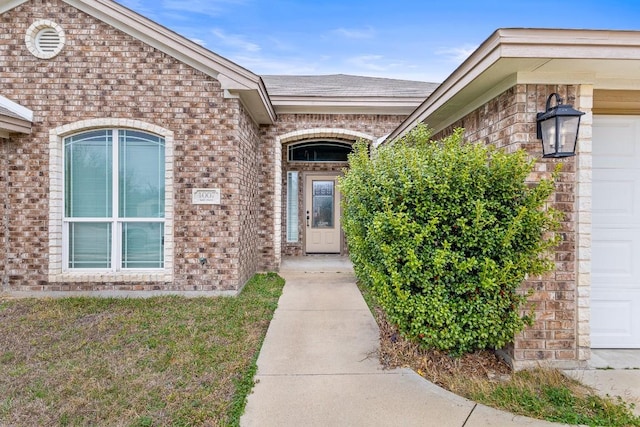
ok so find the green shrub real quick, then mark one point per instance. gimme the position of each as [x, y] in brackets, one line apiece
[444, 233]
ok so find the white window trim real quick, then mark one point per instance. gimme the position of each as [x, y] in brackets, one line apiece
[322, 133]
[293, 235]
[31, 38]
[319, 141]
[57, 272]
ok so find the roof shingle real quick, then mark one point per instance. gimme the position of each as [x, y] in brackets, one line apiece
[342, 85]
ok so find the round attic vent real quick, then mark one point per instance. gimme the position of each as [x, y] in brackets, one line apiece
[45, 39]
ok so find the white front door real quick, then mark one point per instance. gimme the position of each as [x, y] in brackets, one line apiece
[615, 272]
[322, 214]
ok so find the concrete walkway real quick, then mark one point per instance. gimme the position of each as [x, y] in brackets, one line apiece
[614, 373]
[318, 364]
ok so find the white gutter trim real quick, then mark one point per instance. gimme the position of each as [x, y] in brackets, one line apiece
[10, 4]
[522, 43]
[23, 112]
[443, 92]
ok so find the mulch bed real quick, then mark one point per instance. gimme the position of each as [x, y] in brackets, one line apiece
[436, 366]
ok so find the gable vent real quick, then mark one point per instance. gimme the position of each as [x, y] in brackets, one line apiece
[45, 39]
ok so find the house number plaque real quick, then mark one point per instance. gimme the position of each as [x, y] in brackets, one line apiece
[205, 196]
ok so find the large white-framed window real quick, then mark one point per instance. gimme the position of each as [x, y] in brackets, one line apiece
[113, 200]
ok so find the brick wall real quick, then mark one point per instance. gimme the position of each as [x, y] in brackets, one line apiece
[6, 146]
[374, 126]
[270, 200]
[249, 160]
[508, 121]
[104, 73]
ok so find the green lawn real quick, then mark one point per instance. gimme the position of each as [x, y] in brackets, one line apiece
[132, 362]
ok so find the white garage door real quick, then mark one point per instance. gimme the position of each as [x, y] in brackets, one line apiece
[615, 272]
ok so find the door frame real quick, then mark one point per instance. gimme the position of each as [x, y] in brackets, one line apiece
[334, 175]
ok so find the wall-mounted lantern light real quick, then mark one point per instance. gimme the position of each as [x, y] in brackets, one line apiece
[558, 128]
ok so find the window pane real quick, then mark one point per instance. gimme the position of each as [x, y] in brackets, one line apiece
[142, 245]
[89, 245]
[320, 151]
[322, 204]
[88, 164]
[292, 206]
[141, 175]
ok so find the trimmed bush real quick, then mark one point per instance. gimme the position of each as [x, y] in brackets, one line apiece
[444, 233]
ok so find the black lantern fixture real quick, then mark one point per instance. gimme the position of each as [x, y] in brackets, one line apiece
[557, 127]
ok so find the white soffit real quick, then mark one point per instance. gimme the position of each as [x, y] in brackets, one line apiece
[345, 105]
[606, 59]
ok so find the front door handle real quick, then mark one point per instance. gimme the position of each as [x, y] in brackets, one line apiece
[308, 225]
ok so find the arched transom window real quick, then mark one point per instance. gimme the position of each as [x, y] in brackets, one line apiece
[319, 151]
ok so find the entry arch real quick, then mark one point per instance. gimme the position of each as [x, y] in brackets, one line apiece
[292, 227]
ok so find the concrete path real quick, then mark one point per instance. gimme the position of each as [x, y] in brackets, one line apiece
[318, 365]
[614, 373]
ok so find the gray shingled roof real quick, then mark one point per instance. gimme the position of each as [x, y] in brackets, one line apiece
[342, 85]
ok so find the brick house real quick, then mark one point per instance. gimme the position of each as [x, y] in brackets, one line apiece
[132, 159]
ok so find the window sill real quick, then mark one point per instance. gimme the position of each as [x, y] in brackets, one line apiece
[108, 276]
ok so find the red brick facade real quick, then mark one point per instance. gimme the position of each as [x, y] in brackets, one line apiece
[508, 121]
[374, 126]
[104, 73]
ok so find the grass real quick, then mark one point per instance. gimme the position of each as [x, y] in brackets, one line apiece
[538, 393]
[132, 362]
[549, 395]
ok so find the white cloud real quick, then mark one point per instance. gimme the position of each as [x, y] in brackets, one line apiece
[203, 7]
[131, 4]
[289, 66]
[200, 42]
[235, 41]
[282, 44]
[378, 65]
[373, 63]
[456, 54]
[353, 33]
[141, 7]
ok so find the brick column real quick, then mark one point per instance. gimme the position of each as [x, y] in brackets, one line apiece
[584, 103]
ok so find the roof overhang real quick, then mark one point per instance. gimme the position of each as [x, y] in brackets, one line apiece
[344, 105]
[604, 59]
[14, 118]
[236, 81]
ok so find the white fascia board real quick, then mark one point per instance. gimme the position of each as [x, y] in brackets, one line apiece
[344, 105]
[388, 111]
[9, 125]
[344, 100]
[509, 55]
[476, 64]
[6, 5]
[23, 112]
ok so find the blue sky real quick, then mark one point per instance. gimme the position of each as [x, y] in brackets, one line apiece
[416, 40]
